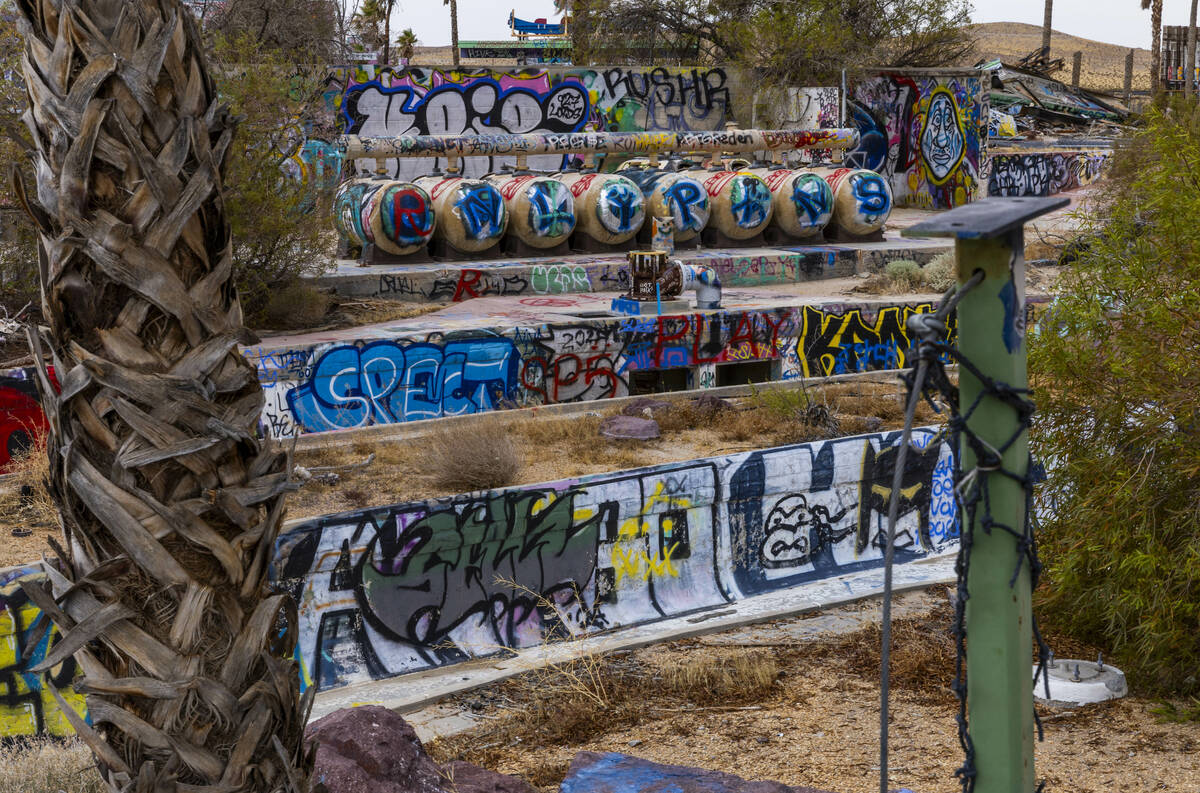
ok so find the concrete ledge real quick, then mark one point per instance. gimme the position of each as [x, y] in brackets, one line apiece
[420, 689]
[453, 282]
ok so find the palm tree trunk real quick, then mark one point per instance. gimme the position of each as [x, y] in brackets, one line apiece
[1189, 63]
[1155, 47]
[170, 504]
[454, 30]
[387, 33]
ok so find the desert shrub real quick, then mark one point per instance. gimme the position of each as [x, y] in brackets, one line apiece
[904, 273]
[942, 272]
[48, 766]
[1114, 367]
[296, 305]
[474, 455]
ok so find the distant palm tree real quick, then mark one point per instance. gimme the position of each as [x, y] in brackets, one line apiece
[1155, 7]
[372, 16]
[1189, 65]
[406, 44]
[453, 28]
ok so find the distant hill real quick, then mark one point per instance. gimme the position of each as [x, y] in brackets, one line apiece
[1103, 66]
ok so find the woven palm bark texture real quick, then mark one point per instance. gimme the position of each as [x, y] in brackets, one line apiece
[170, 504]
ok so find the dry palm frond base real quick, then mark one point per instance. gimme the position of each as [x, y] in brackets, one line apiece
[803, 713]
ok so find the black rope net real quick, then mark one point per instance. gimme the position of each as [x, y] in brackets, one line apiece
[929, 380]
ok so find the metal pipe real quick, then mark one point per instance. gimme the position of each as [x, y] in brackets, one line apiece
[359, 147]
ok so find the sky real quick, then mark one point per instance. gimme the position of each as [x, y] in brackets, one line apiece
[1120, 22]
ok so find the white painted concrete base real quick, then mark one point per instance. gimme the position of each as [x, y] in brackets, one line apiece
[1092, 684]
[407, 693]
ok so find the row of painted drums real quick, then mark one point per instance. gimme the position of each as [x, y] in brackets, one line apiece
[542, 211]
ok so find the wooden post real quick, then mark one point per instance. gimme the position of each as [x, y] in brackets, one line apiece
[1076, 64]
[1128, 76]
[1046, 29]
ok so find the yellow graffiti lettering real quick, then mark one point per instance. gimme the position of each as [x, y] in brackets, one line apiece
[24, 698]
[640, 564]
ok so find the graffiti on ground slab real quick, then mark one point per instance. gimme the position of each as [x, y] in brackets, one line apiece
[397, 589]
[410, 378]
[411, 101]
[27, 706]
[1043, 173]
[924, 133]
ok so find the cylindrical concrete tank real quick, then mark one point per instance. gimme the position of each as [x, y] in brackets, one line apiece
[471, 214]
[862, 200]
[741, 203]
[676, 194]
[803, 201]
[348, 207]
[608, 207]
[398, 217]
[541, 210]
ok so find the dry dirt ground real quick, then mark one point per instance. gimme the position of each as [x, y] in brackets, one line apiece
[545, 448]
[805, 713]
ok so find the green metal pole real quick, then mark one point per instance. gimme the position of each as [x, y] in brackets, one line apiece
[990, 238]
[991, 334]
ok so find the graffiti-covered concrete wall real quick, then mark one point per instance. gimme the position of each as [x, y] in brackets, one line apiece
[27, 706]
[418, 585]
[1043, 173]
[432, 101]
[425, 370]
[925, 130]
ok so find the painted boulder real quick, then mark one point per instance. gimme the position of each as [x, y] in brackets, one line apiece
[741, 203]
[470, 213]
[347, 209]
[609, 207]
[399, 216]
[541, 210]
[803, 201]
[678, 195]
[862, 200]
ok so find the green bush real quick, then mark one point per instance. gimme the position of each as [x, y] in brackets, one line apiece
[282, 226]
[904, 274]
[1113, 363]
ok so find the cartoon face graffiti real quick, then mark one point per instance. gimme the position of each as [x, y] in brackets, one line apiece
[795, 530]
[621, 206]
[942, 140]
[551, 208]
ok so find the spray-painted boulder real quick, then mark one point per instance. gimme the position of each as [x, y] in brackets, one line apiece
[741, 203]
[678, 195]
[862, 200]
[400, 217]
[471, 214]
[347, 209]
[541, 210]
[609, 208]
[803, 201]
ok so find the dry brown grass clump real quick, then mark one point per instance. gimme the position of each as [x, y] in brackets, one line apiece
[48, 766]
[576, 701]
[472, 456]
[26, 504]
